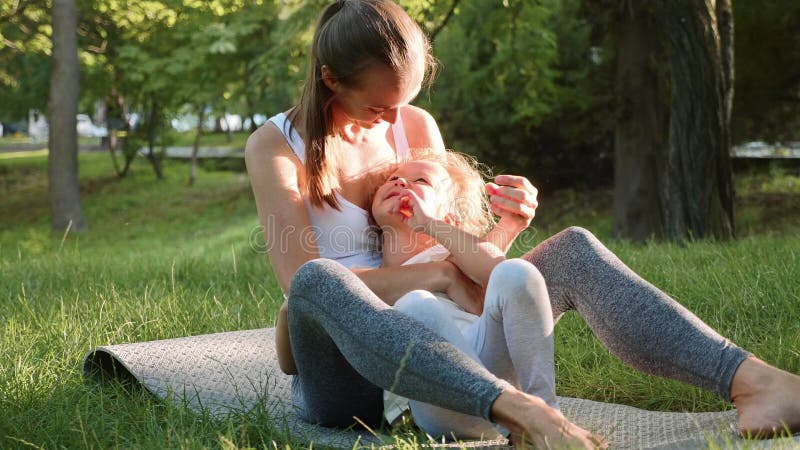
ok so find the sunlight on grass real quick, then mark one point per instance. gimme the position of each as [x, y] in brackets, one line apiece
[162, 259]
[24, 154]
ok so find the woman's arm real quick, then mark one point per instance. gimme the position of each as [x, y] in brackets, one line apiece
[391, 283]
[275, 175]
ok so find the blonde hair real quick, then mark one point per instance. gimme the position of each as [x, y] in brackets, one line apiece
[467, 189]
[350, 36]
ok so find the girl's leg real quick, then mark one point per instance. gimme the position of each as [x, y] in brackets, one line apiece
[638, 323]
[348, 345]
[425, 308]
[514, 336]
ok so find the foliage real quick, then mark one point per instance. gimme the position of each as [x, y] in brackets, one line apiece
[24, 59]
[767, 90]
[513, 73]
[526, 86]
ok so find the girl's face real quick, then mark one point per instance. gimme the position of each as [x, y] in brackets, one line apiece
[427, 179]
[378, 97]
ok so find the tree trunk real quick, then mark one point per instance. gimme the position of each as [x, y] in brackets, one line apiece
[196, 144]
[640, 133]
[724, 15]
[686, 79]
[64, 188]
[152, 128]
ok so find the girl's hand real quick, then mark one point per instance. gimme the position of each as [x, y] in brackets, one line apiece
[514, 199]
[418, 215]
[463, 291]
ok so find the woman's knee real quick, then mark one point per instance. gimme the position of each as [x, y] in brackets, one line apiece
[309, 278]
[576, 237]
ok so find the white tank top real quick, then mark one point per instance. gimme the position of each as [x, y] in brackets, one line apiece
[345, 236]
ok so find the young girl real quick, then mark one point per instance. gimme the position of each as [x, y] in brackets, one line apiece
[434, 208]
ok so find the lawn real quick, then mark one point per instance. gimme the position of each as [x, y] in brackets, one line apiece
[162, 259]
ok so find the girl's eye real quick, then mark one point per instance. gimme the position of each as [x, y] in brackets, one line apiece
[375, 111]
[421, 180]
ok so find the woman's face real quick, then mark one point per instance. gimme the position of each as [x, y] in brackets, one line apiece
[427, 179]
[378, 97]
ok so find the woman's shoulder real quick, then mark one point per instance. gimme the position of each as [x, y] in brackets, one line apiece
[268, 143]
[421, 128]
[267, 138]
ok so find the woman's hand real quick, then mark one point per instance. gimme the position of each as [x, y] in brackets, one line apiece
[513, 198]
[463, 291]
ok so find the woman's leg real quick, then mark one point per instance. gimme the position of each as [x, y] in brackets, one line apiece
[638, 323]
[348, 345]
[650, 331]
[334, 317]
[514, 336]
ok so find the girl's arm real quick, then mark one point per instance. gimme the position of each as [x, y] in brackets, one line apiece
[476, 257]
[513, 197]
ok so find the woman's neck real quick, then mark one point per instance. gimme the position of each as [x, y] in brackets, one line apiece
[399, 247]
[355, 131]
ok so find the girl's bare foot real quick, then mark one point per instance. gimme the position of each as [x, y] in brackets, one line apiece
[535, 424]
[767, 399]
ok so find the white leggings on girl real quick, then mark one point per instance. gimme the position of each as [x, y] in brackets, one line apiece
[513, 339]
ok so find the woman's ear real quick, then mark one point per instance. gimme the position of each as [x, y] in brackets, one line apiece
[330, 81]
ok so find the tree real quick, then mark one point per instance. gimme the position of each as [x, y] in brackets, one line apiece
[672, 141]
[767, 103]
[62, 169]
[519, 88]
[24, 59]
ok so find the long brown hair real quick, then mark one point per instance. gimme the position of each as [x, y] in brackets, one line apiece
[350, 36]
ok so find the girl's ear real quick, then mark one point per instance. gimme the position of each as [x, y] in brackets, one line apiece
[330, 81]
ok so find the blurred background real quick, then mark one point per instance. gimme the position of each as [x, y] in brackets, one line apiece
[562, 91]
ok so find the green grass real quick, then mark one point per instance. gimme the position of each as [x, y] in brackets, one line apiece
[175, 138]
[163, 260]
[186, 139]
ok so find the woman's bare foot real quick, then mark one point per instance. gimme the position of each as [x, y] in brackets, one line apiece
[535, 424]
[767, 399]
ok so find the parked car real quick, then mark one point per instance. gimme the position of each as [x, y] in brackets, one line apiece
[87, 128]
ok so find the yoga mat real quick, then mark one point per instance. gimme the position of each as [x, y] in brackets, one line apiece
[233, 371]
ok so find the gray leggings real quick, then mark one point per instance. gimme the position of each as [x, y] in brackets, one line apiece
[348, 345]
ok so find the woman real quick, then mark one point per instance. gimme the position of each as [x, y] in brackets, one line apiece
[311, 175]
